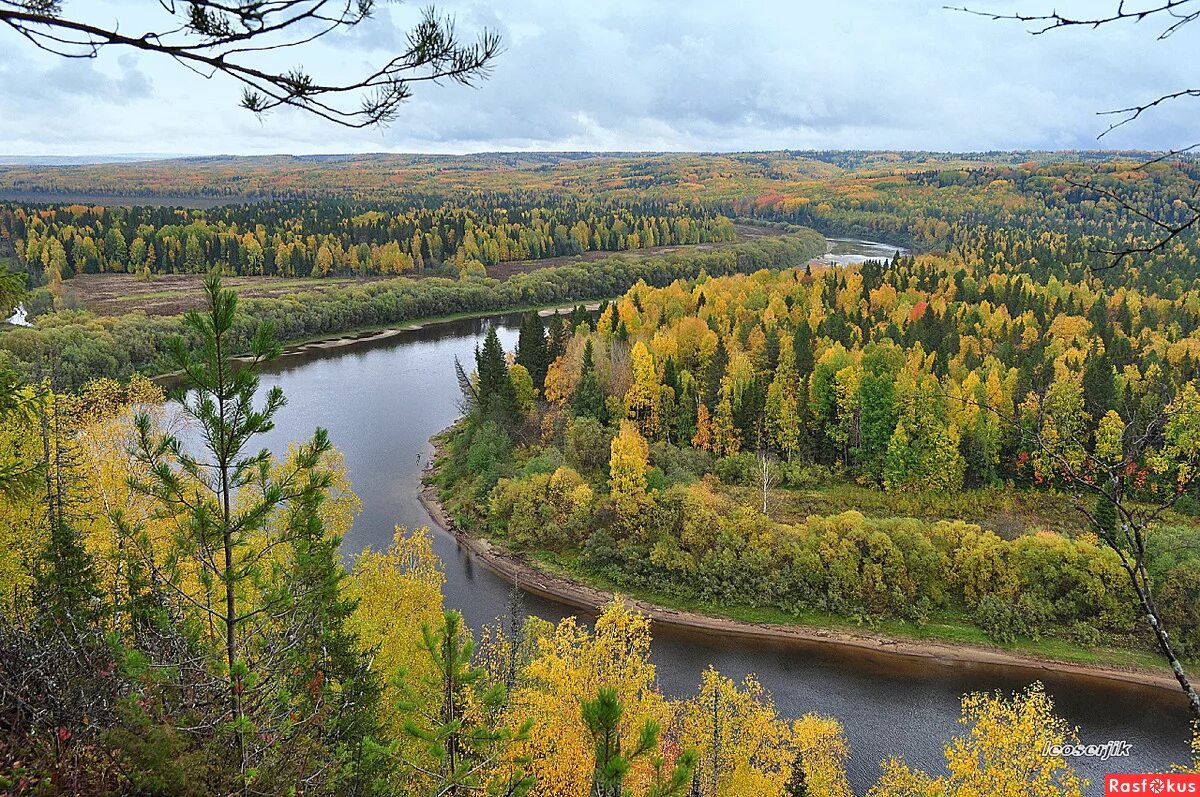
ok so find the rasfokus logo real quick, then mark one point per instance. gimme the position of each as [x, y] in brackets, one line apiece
[1152, 784]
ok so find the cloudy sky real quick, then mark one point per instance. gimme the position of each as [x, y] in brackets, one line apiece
[644, 75]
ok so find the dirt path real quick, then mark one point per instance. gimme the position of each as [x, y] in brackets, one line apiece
[513, 567]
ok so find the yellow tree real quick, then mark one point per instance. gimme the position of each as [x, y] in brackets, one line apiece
[742, 746]
[703, 437]
[398, 592]
[1008, 751]
[570, 667]
[822, 752]
[627, 466]
[725, 439]
[642, 398]
[523, 386]
[783, 416]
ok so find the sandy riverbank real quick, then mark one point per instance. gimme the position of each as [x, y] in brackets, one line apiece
[516, 568]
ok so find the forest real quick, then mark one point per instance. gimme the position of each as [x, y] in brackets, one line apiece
[909, 376]
[997, 433]
[324, 238]
[82, 345]
[1037, 213]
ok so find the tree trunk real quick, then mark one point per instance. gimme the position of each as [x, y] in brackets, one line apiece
[235, 680]
[1164, 643]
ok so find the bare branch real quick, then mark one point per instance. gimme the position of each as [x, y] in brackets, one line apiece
[1044, 23]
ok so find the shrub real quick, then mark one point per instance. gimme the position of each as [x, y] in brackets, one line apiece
[740, 468]
[999, 619]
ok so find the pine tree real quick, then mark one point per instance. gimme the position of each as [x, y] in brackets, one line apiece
[1099, 386]
[497, 397]
[802, 346]
[490, 365]
[602, 718]
[533, 351]
[66, 588]
[224, 496]
[588, 399]
[464, 742]
[560, 333]
[716, 373]
[331, 692]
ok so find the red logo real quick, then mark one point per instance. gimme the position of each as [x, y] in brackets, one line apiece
[1152, 784]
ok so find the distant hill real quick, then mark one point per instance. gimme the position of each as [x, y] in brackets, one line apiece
[74, 160]
[665, 175]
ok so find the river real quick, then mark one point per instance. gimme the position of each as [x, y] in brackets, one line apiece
[845, 251]
[382, 400]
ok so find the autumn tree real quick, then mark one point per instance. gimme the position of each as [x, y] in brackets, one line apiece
[742, 746]
[627, 467]
[570, 666]
[1130, 477]
[643, 398]
[1006, 752]
[783, 403]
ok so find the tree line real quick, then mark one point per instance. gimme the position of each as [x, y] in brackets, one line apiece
[332, 238]
[84, 346]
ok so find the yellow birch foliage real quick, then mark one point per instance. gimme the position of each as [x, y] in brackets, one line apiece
[824, 751]
[398, 591]
[642, 398]
[628, 461]
[739, 740]
[96, 427]
[570, 667]
[1005, 753]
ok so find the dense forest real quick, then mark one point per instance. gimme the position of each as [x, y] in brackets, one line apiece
[81, 345]
[1030, 212]
[904, 376]
[320, 239]
[979, 436]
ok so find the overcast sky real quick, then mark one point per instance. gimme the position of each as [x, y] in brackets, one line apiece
[644, 75]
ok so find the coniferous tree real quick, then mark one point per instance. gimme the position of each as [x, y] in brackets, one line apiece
[465, 744]
[715, 373]
[559, 334]
[1099, 386]
[66, 588]
[803, 348]
[331, 694]
[225, 495]
[588, 399]
[612, 760]
[497, 397]
[533, 350]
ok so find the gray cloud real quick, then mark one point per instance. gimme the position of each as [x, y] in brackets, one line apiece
[612, 74]
[66, 80]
